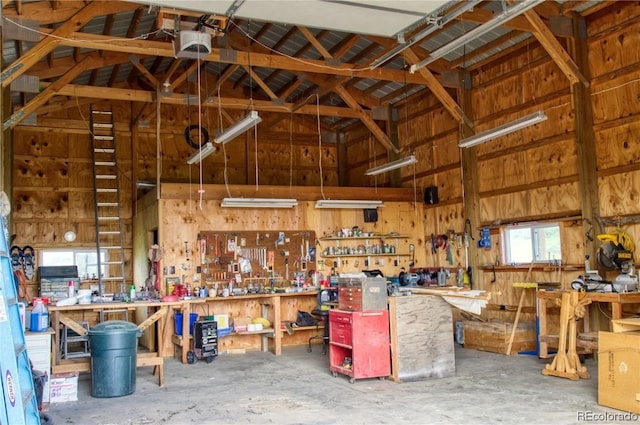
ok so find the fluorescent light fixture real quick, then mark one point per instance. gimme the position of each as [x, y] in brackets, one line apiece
[490, 25]
[206, 150]
[258, 203]
[393, 165]
[345, 203]
[436, 23]
[238, 128]
[503, 130]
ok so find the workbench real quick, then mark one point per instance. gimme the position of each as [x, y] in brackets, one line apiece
[148, 313]
[277, 308]
[616, 299]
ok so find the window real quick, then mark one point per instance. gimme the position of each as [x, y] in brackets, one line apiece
[532, 243]
[85, 259]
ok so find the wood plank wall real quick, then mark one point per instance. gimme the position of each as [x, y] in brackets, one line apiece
[529, 175]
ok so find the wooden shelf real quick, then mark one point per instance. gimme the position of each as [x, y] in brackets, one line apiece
[263, 331]
[365, 255]
[338, 238]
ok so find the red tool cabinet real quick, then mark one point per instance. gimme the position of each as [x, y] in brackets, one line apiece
[359, 344]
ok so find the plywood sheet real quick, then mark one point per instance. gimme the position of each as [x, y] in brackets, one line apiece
[422, 338]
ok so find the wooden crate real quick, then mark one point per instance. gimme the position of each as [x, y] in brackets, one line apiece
[494, 336]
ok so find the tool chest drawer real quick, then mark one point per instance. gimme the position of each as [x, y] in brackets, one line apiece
[340, 332]
[350, 299]
[362, 294]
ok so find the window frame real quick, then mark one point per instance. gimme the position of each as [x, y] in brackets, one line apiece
[534, 231]
[76, 252]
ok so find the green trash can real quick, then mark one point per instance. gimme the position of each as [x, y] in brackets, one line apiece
[114, 345]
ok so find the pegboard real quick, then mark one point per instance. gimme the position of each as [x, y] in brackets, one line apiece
[281, 254]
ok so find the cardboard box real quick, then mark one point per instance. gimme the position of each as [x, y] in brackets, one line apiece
[494, 336]
[240, 324]
[63, 387]
[619, 370]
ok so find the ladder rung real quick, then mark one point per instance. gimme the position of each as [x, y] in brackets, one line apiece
[113, 247]
[102, 112]
[107, 204]
[106, 163]
[109, 232]
[104, 150]
[27, 395]
[102, 125]
[99, 137]
[108, 218]
[106, 190]
[110, 263]
[20, 348]
[105, 176]
[113, 278]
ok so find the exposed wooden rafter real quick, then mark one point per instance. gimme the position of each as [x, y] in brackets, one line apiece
[438, 90]
[46, 94]
[555, 50]
[47, 44]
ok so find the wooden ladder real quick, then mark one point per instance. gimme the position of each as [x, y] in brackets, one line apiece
[106, 184]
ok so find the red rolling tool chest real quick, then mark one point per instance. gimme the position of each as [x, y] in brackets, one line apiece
[359, 344]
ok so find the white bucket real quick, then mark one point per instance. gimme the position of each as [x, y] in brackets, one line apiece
[84, 296]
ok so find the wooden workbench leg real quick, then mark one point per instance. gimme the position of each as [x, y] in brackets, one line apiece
[277, 326]
[55, 346]
[186, 318]
[542, 328]
[160, 375]
[616, 311]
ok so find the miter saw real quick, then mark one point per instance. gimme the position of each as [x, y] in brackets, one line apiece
[615, 253]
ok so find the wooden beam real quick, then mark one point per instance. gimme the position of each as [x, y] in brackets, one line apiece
[438, 90]
[48, 43]
[129, 95]
[315, 43]
[62, 105]
[366, 119]
[152, 319]
[46, 94]
[260, 60]
[144, 71]
[554, 49]
[302, 193]
[42, 12]
[482, 16]
[586, 151]
[183, 77]
[292, 86]
[261, 83]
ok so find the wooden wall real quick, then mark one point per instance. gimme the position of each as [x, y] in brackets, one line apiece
[182, 217]
[529, 175]
[533, 174]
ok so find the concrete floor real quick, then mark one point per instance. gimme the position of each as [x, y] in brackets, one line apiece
[297, 388]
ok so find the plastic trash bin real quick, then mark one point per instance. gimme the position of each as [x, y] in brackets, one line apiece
[114, 346]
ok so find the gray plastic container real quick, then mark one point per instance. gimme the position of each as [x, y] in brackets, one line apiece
[114, 346]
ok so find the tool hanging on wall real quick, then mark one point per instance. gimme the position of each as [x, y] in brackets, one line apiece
[485, 238]
[153, 281]
[467, 235]
[203, 255]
